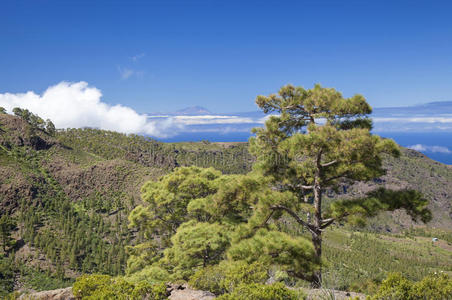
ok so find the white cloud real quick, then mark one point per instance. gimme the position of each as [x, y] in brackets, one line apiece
[439, 119]
[125, 73]
[210, 119]
[74, 105]
[137, 57]
[203, 120]
[434, 149]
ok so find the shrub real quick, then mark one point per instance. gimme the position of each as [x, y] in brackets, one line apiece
[96, 287]
[395, 286]
[209, 279]
[436, 286]
[258, 291]
[85, 285]
[151, 274]
[144, 290]
[240, 272]
[227, 275]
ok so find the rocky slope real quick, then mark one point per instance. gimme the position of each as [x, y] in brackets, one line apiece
[71, 193]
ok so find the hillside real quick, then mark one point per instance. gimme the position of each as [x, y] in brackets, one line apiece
[71, 192]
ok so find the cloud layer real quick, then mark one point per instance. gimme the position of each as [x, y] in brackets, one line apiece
[433, 149]
[77, 105]
[73, 105]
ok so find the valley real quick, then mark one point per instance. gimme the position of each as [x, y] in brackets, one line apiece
[70, 194]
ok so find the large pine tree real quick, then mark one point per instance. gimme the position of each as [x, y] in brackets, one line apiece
[314, 141]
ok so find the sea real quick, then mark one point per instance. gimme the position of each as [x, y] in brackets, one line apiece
[435, 145]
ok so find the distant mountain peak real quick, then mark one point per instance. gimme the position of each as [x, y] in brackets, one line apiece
[439, 103]
[193, 110]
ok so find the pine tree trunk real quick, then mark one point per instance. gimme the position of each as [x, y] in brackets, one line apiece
[317, 276]
[317, 236]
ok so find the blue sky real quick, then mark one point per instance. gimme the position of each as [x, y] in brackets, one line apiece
[166, 55]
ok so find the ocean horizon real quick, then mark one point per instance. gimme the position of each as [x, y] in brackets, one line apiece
[435, 145]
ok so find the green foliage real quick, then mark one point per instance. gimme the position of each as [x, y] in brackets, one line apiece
[241, 272]
[35, 121]
[13, 270]
[256, 291]
[141, 256]
[66, 234]
[359, 261]
[6, 276]
[165, 210]
[107, 287]
[232, 201]
[85, 285]
[227, 275]
[89, 235]
[151, 274]
[209, 279]
[167, 200]
[208, 208]
[230, 159]
[50, 127]
[290, 144]
[293, 254]
[7, 224]
[318, 141]
[431, 233]
[17, 111]
[192, 211]
[395, 286]
[42, 279]
[355, 211]
[199, 212]
[195, 245]
[2, 110]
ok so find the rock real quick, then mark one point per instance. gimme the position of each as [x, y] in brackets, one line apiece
[59, 294]
[183, 292]
[332, 294]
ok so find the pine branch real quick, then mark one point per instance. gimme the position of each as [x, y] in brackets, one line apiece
[328, 164]
[327, 222]
[311, 228]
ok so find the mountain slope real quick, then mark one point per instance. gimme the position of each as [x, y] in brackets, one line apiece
[71, 193]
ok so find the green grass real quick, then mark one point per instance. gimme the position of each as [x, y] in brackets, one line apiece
[356, 260]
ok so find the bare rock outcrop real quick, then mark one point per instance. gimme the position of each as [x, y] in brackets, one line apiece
[59, 294]
[176, 291]
[183, 292]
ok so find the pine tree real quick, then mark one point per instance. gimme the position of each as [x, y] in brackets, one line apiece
[50, 127]
[315, 140]
[7, 224]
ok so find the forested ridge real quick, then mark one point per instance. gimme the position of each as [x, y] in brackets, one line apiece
[66, 197]
[69, 193]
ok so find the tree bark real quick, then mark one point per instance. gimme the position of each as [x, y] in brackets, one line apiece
[317, 276]
[317, 236]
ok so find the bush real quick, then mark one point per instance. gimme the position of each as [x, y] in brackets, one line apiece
[224, 277]
[258, 291]
[395, 286]
[96, 287]
[437, 286]
[151, 274]
[85, 285]
[209, 279]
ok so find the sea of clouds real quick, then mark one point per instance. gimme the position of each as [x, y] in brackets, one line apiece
[76, 105]
[432, 149]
